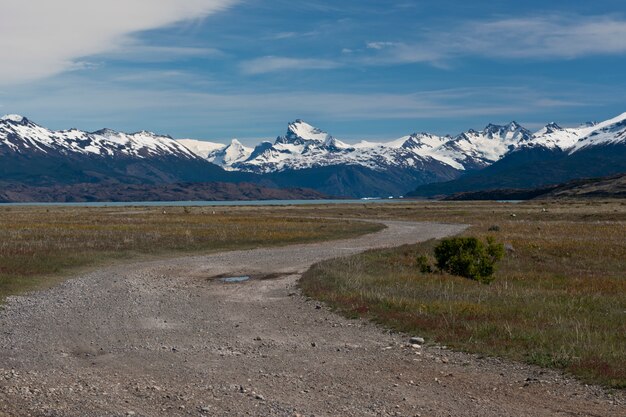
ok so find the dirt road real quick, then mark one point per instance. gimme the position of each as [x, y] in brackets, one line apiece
[166, 338]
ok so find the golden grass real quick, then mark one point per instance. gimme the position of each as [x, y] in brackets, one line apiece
[559, 300]
[38, 245]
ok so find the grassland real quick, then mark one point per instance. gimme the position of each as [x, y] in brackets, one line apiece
[559, 299]
[40, 246]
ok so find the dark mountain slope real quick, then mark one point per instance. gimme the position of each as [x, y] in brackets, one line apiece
[535, 167]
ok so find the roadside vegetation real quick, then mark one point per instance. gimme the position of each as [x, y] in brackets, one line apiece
[557, 299]
[39, 246]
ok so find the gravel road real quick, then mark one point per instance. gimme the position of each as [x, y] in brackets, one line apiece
[165, 338]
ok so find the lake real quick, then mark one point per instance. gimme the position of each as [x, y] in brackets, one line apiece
[210, 203]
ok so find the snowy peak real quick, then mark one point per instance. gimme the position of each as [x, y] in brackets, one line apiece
[552, 127]
[303, 130]
[610, 132]
[235, 152]
[548, 129]
[16, 119]
[477, 149]
[106, 132]
[302, 133]
[512, 131]
[513, 126]
[147, 133]
[224, 155]
[260, 149]
[21, 135]
[419, 141]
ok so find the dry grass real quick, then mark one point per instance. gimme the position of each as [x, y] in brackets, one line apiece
[38, 245]
[559, 300]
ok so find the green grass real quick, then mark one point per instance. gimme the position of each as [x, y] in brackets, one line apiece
[39, 246]
[558, 301]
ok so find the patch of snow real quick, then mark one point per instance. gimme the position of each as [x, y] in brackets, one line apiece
[13, 118]
[201, 148]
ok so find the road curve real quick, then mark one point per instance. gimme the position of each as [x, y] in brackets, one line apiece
[165, 338]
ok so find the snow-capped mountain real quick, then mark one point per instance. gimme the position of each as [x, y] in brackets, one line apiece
[306, 156]
[19, 134]
[551, 155]
[305, 146]
[32, 154]
[610, 132]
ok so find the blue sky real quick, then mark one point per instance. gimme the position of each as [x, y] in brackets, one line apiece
[218, 69]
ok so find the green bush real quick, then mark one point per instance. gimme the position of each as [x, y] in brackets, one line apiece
[469, 257]
[423, 263]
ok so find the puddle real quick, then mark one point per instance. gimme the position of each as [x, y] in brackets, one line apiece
[243, 278]
[235, 279]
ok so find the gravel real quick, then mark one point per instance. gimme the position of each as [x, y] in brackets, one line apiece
[165, 338]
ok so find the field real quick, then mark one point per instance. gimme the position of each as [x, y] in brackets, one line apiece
[558, 300]
[40, 246]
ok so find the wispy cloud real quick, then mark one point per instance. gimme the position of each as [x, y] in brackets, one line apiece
[138, 52]
[548, 37]
[380, 45]
[44, 38]
[277, 63]
[292, 35]
[174, 108]
[544, 38]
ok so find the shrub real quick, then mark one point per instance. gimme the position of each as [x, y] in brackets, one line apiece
[469, 257]
[423, 263]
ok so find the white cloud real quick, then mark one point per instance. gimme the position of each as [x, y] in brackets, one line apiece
[380, 45]
[547, 37]
[544, 37]
[277, 63]
[41, 38]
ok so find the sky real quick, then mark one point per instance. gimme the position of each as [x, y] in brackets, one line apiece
[359, 69]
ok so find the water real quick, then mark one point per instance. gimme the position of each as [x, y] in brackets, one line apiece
[208, 203]
[235, 279]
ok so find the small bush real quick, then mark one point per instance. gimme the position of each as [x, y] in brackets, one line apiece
[469, 257]
[424, 265]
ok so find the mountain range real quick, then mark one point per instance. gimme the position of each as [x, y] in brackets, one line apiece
[553, 155]
[420, 164]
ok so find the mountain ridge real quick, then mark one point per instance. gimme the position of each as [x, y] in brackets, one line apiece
[305, 146]
[506, 155]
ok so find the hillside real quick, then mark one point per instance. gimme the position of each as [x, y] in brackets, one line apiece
[116, 192]
[605, 187]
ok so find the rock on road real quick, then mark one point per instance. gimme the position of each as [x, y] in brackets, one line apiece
[161, 338]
